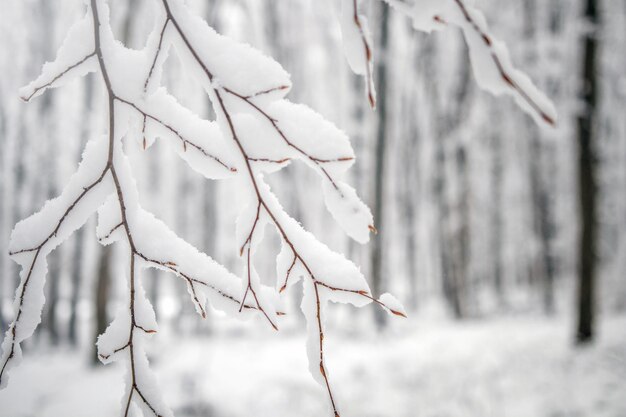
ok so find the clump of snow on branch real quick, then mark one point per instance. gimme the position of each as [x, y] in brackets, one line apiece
[257, 132]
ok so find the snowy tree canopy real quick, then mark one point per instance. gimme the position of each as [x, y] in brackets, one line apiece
[257, 132]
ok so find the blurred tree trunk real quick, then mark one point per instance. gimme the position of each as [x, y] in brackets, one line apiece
[378, 254]
[496, 213]
[102, 294]
[461, 237]
[453, 231]
[80, 239]
[587, 177]
[408, 175]
[3, 181]
[76, 279]
[357, 132]
[46, 111]
[54, 275]
[153, 275]
[543, 263]
[50, 319]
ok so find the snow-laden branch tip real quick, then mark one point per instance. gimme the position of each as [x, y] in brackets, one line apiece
[490, 59]
[257, 132]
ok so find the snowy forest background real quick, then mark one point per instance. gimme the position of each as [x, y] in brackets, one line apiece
[478, 236]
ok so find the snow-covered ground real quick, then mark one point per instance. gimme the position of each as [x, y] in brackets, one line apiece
[505, 368]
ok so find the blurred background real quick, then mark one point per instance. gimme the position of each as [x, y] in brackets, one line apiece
[506, 242]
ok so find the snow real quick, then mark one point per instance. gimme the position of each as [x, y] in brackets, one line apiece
[509, 367]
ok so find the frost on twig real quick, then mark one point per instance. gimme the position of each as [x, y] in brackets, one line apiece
[257, 132]
[493, 69]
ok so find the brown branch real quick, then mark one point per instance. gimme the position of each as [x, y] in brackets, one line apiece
[367, 50]
[293, 263]
[271, 161]
[318, 315]
[250, 289]
[268, 91]
[508, 78]
[61, 74]
[124, 220]
[119, 349]
[249, 238]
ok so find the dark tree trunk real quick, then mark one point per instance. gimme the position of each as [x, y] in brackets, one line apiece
[3, 184]
[496, 215]
[587, 181]
[451, 159]
[76, 280]
[378, 255]
[54, 275]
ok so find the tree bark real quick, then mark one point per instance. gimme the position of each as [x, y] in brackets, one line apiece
[586, 178]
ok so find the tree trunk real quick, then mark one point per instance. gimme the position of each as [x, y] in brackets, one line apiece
[76, 279]
[587, 181]
[496, 216]
[454, 238]
[378, 255]
[54, 275]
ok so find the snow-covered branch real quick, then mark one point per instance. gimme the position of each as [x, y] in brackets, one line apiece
[257, 132]
[493, 69]
[289, 131]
